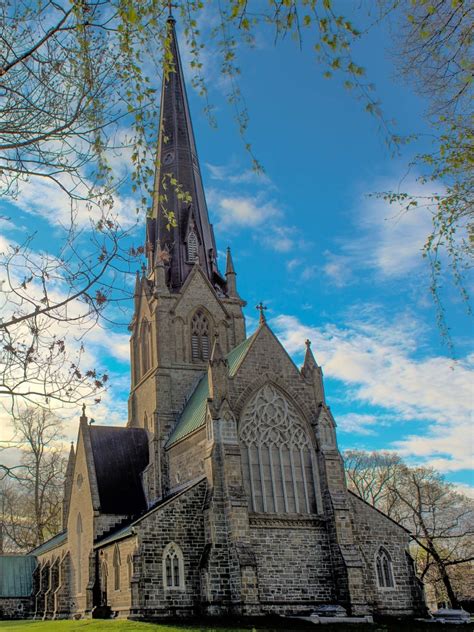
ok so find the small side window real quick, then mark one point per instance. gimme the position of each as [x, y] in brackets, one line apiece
[173, 567]
[383, 563]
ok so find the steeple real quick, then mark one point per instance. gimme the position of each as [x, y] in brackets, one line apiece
[192, 238]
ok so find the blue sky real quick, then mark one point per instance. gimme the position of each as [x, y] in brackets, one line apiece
[330, 263]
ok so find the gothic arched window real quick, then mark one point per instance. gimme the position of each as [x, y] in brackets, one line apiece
[130, 567]
[200, 334]
[79, 552]
[278, 458]
[383, 563]
[116, 563]
[192, 246]
[173, 567]
[145, 347]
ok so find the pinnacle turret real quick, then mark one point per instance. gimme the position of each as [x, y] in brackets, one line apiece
[230, 276]
[312, 372]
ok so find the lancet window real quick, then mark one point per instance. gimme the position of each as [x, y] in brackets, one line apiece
[192, 246]
[79, 552]
[173, 567]
[116, 562]
[384, 566]
[200, 333]
[278, 458]
[145, 347]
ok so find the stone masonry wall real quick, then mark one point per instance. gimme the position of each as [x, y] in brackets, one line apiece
[16, 608]
[185, 459]
[179, 521]
[293, 563]
[373, 530]
[119, 597]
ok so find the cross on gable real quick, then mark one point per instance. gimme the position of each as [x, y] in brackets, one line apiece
[261, 308]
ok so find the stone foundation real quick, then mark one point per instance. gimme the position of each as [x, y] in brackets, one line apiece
[16, 608]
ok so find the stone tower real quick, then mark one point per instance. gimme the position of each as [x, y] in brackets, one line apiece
[182, 301]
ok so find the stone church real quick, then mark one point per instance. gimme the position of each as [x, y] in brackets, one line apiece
[225, 492]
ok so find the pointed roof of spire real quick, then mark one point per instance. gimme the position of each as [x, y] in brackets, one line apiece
[177, 162]
[229, 268]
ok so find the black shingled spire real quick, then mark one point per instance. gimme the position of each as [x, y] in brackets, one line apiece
[193, 238]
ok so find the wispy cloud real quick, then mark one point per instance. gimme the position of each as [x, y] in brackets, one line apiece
[386, 239]
[232, 174]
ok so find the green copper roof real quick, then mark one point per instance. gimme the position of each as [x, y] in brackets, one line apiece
[52, 543]
[194, 413]
[16, 575]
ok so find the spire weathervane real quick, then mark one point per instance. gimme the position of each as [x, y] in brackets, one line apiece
[261, 308]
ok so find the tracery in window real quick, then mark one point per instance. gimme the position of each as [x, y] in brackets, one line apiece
[145, 347]
[278, 459]
[192, 246]
[200, 333]
[116, 562]
[173, 567]
[383, 563]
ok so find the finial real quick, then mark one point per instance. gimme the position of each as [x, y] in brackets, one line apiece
[307, 343]
[261, 308]
[83, 416]
[171, 6]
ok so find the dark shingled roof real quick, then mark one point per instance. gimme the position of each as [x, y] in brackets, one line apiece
[16, 575]
[120, 456]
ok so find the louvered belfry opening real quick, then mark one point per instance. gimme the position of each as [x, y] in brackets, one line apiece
[200, 333]
[192, 244]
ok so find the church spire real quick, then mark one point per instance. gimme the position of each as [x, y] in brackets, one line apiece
[191, 239]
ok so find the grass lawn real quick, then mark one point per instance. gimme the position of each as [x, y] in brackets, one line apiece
[283, 626]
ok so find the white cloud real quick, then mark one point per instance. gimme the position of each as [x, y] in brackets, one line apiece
[47, 200]
[464, 488]
[356, 423]
[376, 361]
[114, 344]
[241, 211]
[448, 447]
